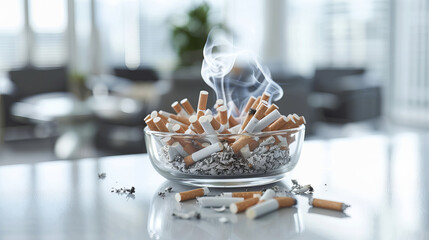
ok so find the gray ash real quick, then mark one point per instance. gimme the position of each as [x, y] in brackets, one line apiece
[164, 193]
[123, 190]
[227, 163]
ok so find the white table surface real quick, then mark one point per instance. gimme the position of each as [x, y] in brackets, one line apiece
[384, 179]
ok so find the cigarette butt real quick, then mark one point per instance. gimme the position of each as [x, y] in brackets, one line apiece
[203, 153]
[244, 195]
[218, 127]
[155, 114]
[240, 143]
[290, 123]
[219, 103]
[192, 194]
[151, 125]
[168, 140]
[327, 204]
[160, 124]
[247, 119]
[267, 120]
[253, 144]
[268, 206]
[208, 129]
[256, 103]
[278, 124]
[265, 97]
[243, 205]
[196, 124]
[267, 195]
[271, 109]
[202, 103]
[181, 119]
[245, 152]
[260, 113]
[147, 117]
[232, 121]
[179, 110]
[249, 104]
[218, 201]
[187, 106]
[223, 115]
[178, 129]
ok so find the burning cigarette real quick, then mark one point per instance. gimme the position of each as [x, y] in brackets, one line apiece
[218, 201]
[187, 106]
[269, 206]
[202, 103]
[203, 153]
[260, 113]
[267, 120]
[192, 194]
[179, 110]
[243, 205]
[320, 203]
[244, 195]
[249, 104]
[196, 125]
[267, 195]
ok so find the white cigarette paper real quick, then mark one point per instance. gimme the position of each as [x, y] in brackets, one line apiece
[208, 128]
[179, 149]
[203, 153]
[267, 120]
[250, 127]
[218, 201]
[262, 208]
[269, 194]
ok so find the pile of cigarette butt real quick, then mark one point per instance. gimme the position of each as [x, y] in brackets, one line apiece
[216, 143]
[255, 204]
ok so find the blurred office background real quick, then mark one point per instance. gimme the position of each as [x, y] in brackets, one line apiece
[77, 77]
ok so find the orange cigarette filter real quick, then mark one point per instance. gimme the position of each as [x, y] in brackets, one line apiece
[232, 121]
[187, 106]
[253, 144]
[178, 128]
[147, 117]
[243, 205]
[290, 123]
[240, 143]
[332, 205]
[192, 194]
[151, 125]
[278, 124]
[285, 201]
[202, 103]
[223, 115]
[196, 125]
[160, 124]
[216, 125]
[260, 112]
[265, 96]
[168, 140]
[271, 109]
[245, 195]
[176, 106]
[249, 104]
[181, 119]
[155, 114]
[256, 103]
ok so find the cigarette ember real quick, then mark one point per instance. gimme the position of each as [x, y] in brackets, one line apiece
[225, 140]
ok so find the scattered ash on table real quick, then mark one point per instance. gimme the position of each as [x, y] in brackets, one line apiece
[123, 190]
[164, 193]
[102, 175]
[227, 163]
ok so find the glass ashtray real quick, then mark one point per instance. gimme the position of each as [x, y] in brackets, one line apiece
[225, 160]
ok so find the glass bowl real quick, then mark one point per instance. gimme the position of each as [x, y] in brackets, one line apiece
[225, 160]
